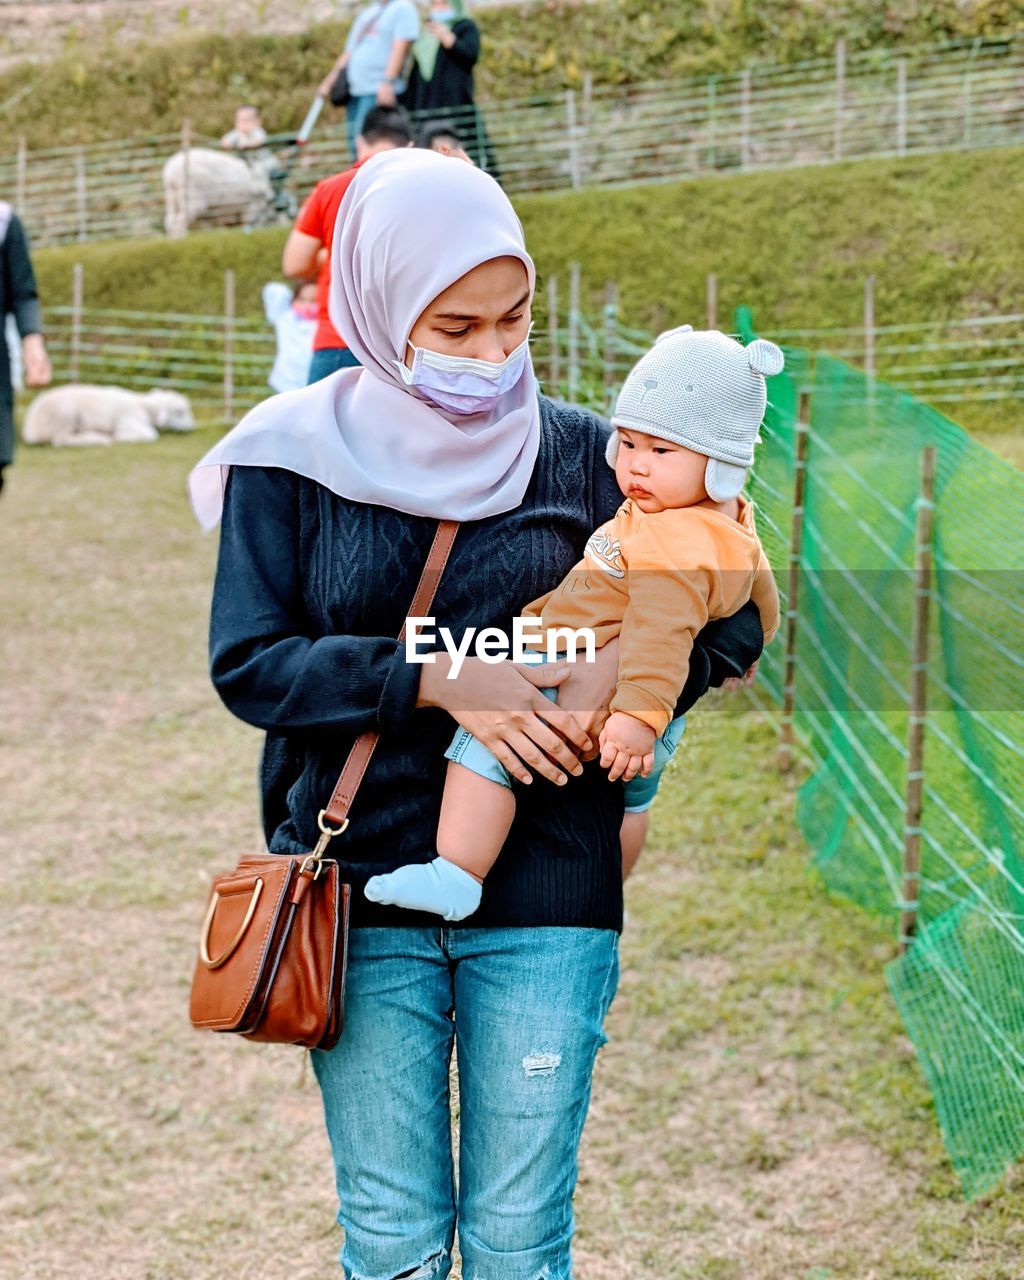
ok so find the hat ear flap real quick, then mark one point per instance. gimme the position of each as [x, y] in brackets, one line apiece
[723, 480]
[611, 449]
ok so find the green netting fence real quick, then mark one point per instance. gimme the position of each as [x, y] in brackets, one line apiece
[960, 985]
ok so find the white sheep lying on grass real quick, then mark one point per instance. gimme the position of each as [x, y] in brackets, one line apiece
[83, 414]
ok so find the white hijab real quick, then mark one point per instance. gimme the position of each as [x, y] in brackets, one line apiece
[410, 225]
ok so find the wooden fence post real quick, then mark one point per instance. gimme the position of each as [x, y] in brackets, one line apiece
[745, 118]
[869, 326]
[611, 342]
[837, 137]
[572, 138]
[186, 147]
[711, 297]
[918, 702]
[574, 331]
[554, 349]
[21, 177]
[968, 107]
[586, 121]
[77, 298]
[81, 196]
[901, 106]
[803, 426]
[229, 345]
[712, 122]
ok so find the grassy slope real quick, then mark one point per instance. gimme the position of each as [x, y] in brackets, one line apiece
[758, 1114]
[796, 245]
[98, 88]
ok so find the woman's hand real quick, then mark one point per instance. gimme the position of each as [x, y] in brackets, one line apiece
[35, 360]
[327, 83]
[502, 706]
[744, 681]
[442, 33]
[590, 689]
[627, 747]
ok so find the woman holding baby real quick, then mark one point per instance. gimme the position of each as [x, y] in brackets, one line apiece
[329, 498]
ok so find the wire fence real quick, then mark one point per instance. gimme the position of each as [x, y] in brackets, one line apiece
[222, 361]
[902, 683]
[866, 104]
[899, 679]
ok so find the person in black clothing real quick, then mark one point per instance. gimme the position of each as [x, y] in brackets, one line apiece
[18, 297]
[329, 498]
[441, 80]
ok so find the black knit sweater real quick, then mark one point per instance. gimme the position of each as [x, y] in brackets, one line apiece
[311, 587]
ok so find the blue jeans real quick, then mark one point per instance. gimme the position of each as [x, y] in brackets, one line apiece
[356, 111]
[329, 360]
[525, 1009]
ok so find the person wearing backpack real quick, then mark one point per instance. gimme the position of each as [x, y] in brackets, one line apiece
[20, 299]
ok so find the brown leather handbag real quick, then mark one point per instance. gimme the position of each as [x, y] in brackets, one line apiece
[274, 941]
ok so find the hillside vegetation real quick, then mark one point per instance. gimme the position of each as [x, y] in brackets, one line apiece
[99, 88]
[796, 246]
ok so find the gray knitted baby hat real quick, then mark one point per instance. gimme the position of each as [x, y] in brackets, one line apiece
[705, 391]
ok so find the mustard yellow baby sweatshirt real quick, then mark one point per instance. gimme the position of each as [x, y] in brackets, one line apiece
[654, 580]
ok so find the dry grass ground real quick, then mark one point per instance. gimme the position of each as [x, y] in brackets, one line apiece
[758, 1114]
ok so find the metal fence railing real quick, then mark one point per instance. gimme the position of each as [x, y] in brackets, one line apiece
[222, 362]
[866, 104]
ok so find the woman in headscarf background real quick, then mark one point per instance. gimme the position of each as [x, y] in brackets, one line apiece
[440, 86]
[328, 499]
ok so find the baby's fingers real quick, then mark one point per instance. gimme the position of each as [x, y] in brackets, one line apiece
[620, 760]
[633, 764]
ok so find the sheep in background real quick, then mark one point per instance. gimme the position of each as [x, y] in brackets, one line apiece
[83, 414]
[217, 188]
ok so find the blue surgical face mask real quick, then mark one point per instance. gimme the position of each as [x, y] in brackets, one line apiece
[459, 384]
[443, 15]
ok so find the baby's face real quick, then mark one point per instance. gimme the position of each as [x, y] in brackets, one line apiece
[657, 475]
[247, 120]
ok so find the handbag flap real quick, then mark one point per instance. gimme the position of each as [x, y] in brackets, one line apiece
[237, 943]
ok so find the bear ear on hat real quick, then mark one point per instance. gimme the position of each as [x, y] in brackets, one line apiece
[765, 357]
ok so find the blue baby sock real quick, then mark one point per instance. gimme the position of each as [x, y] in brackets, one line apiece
[439, 886]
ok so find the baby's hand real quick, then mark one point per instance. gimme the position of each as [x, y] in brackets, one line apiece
[627, 747]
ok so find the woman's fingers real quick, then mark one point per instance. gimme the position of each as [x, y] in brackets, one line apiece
[552, 745]
[543, 675]
[563, 721]
[506, 756]
[531, 755]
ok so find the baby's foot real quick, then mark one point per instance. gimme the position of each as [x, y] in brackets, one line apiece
[439, 886]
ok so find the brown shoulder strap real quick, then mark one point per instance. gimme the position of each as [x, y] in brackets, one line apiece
[362, 749]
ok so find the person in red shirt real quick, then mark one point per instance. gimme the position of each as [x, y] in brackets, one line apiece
[307, 251]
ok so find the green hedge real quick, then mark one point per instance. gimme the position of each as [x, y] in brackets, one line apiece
[98, 88]
[941, 234]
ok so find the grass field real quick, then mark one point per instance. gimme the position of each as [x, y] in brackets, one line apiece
[758, 1113]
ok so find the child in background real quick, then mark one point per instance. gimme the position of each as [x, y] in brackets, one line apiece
[248, 133]
[681, 550]
[293, 313]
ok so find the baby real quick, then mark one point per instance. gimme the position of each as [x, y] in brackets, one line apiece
[248, 133]
[681, 550]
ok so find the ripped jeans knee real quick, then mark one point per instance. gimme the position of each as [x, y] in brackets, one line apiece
[435, 1267]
